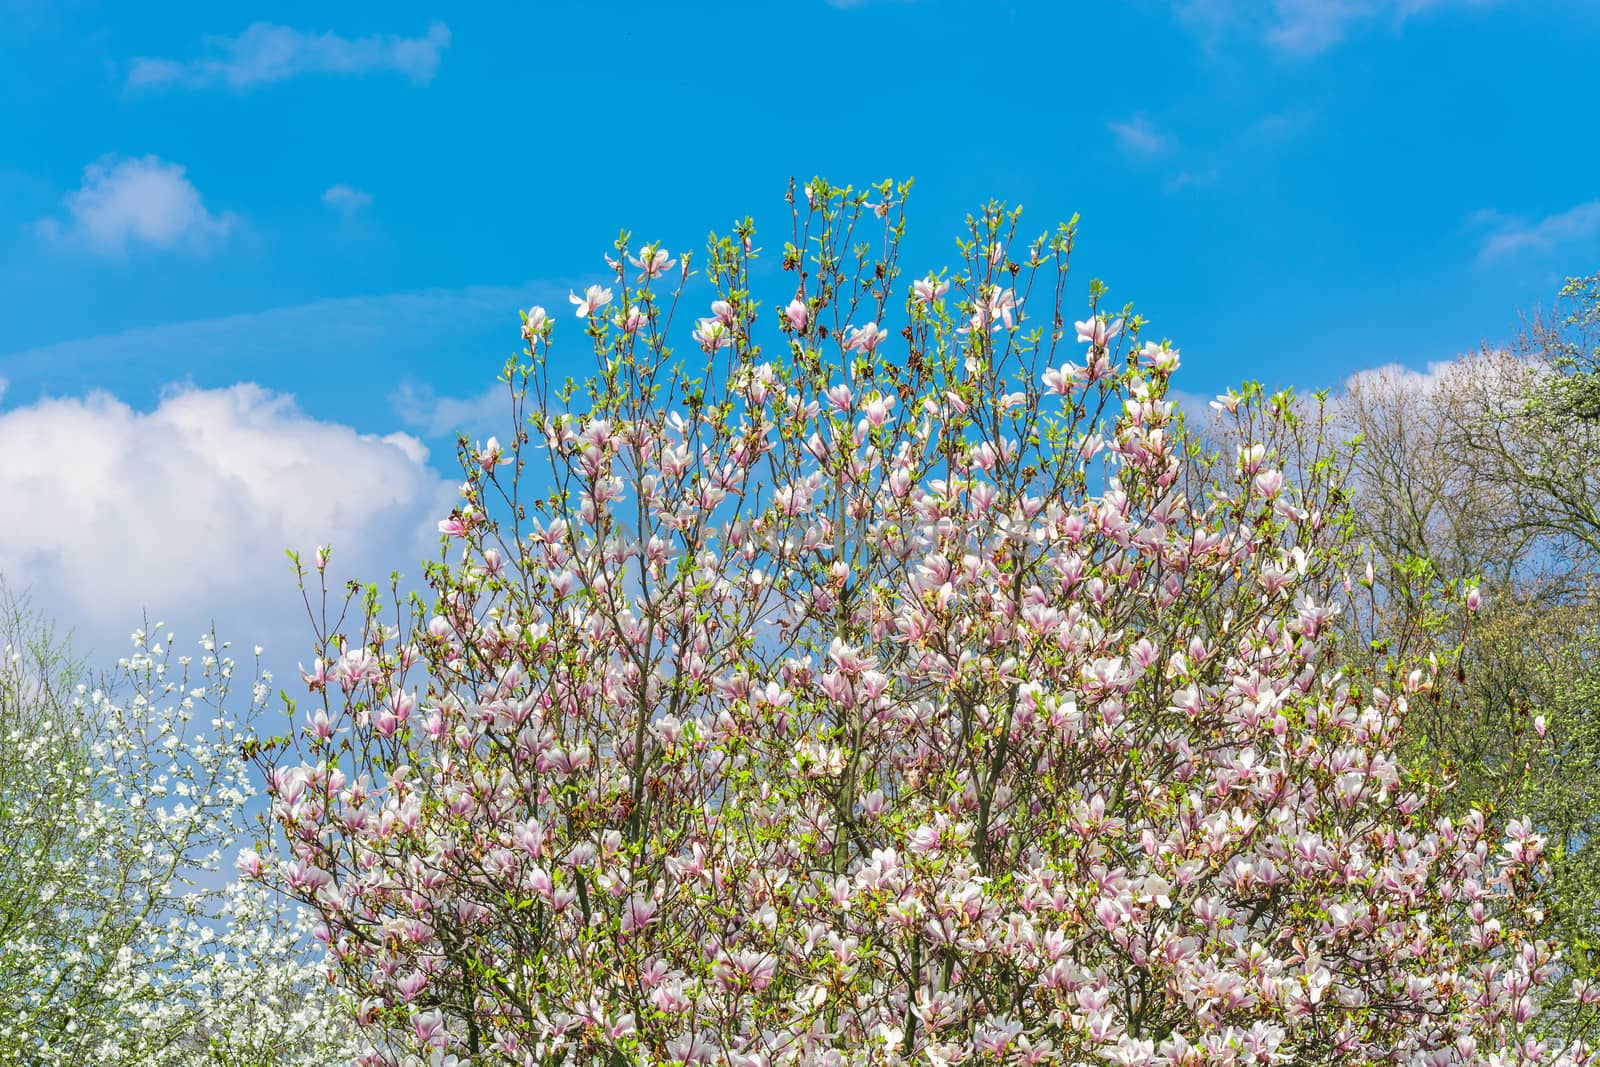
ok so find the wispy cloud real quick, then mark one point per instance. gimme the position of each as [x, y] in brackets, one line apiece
[1509, 236]
[1280, 126]
[346, 199]
[347, 337]
[1185, 179]
[145, 201]
[424, 410]
[1138, 136]
[1305, 27]
[265, 53]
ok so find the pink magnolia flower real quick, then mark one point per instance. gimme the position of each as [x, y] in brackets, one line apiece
[1097, 331]
[429, 1029]
[796, 314]
[925, 291]
[1228, 402]
[1060, 380]
[1004, 303]
[866, 339]
[1162, 358]
[317, 677]
[637, 914]
[593, 299]
[490, 457]
[630, 322]
[712, 334]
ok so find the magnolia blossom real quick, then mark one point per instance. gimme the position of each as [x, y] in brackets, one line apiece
[713, 333]
[630, 322]
[533, 322]
[866, 339]
[1003, 304]
[489, 457]
[796, 314]
[1097, 331]
[593, 299]
[653, 261]
[1060, 380]
[1161, 358]
[925, 291]
[1228, 402]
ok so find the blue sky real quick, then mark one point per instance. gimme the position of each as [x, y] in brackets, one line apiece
[257, 266]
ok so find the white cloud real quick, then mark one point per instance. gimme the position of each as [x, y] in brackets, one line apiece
[1511, 236]
[146, 201]
[1139, 137]
[186, 509]
[346, 199]
[265, 53]
[425, 411]
[1306, 27]
[1399, 378]
[1198, 414]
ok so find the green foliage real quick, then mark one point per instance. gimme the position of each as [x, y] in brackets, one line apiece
[1571, 346]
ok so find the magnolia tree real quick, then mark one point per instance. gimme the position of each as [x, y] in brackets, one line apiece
[881, 677]
[120, 945]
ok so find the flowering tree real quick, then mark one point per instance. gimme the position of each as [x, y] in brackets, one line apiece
[119, 945]
[888, 680]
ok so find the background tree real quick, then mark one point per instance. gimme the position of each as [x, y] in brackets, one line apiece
[1487, 471]
[120, 807]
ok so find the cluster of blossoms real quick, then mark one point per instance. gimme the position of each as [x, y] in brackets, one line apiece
[119, 942]
[836, 700]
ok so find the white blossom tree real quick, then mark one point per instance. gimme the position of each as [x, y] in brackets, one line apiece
[122, 942]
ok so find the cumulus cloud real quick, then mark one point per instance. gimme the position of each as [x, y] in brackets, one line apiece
[186, 509]
[1138, 137]
[265, 53]
[346, 199]
[1399, 378]
[1511, 236]
[143, 201]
